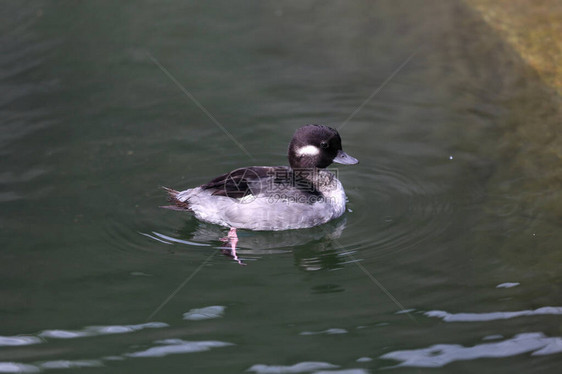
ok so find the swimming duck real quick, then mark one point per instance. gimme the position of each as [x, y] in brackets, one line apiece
[272, 198]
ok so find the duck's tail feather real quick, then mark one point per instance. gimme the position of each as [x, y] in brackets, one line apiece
[173, 198]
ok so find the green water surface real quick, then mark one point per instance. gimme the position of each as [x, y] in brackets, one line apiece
[448, 258]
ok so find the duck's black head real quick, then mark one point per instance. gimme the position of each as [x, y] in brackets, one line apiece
[317, 146]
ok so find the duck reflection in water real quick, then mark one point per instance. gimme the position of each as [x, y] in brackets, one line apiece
[313, 249]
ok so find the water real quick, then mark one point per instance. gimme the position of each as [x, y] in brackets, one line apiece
[448, 257]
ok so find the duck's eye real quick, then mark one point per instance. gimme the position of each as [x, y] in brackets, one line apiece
[324, 144]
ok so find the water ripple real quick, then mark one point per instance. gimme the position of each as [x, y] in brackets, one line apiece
[70, 364]
[175, 346]
[409, 210]
[158, 348]
[210, 312]
[508, 285]
[331, 331]
[17, 367]
[72, 334]
[439, 355]
[301, 367]
[18, 340]
[492, 316]
[162, 348]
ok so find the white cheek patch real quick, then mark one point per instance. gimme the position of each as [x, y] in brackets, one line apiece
[308, 150]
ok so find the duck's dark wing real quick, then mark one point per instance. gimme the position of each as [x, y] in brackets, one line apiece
[254, 180]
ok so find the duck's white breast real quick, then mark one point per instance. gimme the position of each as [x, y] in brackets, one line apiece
[266, 213]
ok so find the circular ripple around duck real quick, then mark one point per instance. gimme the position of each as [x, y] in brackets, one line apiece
[393, 211]
[146, 227]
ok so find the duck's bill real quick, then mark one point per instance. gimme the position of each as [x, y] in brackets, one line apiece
[344, 158]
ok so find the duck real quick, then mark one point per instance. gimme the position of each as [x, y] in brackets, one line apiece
[275, 198]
